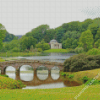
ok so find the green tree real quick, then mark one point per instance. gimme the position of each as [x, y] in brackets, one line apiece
[97, 36]
[97, 43]
[86, 40]
[67, 43]
[2, 35]
[93, 28]
[31, 48]
[26, 42]
[39, 32]
[43, 45]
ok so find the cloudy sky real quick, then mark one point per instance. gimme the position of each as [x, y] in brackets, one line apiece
[20, 16]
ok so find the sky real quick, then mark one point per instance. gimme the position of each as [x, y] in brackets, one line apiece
[21, 16]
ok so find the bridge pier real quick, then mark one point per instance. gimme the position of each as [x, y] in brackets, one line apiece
[2, 71]
[17, 74]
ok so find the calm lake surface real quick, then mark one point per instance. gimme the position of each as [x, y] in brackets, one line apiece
[28, 75]
[52, 57]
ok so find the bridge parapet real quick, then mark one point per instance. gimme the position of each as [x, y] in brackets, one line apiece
[32, 61]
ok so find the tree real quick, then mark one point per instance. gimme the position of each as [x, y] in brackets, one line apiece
[2, 35]
[43, 45]
[67, 43]
[31, 48]
[93, 27]
[9, 37]
[97, 36]
[97, 43]
[39, 32]
[26, 42]
[86, 40]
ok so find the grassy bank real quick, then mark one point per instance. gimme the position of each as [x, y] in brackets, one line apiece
[8, 83]
[15, 54]
[57, 50]
[68, 93]
[79, 75]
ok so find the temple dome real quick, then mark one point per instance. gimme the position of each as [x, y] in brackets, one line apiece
[53, 41]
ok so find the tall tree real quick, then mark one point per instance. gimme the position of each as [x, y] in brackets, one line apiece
[86, 40]
[2, 35]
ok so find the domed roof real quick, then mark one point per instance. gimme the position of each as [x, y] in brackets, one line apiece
[53, 41]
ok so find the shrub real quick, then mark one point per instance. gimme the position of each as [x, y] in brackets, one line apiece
[63, 74]
[79, 50]
[93, 51]
[85, 79]
[4, 75]
[8, 83]
[39, 49]
[15, 49]
[92, 82]
[82, 62]
[71, 76]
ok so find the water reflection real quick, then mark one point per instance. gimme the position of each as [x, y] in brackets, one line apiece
[10, 71]
[42, 72]
[26, 73]
[47, 86]
[52, 57]
[55, 73]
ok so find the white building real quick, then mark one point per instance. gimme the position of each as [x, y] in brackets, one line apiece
[55, 45]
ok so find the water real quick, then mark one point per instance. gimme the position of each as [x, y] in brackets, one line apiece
[47, 86]
[27, 73]
[52, 57]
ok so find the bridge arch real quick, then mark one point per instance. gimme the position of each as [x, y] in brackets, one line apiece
[42, 72]
[55, 73]
[26, 72]
[10, 71]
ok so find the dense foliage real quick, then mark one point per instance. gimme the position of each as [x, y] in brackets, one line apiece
[9, 37]
[8, 83]
[72, 35]
[82, 62]
[2, 35]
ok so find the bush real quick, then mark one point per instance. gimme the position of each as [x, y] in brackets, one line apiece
[82, 62]
[71, 76]
[85, 79]
[92, 82]
[4, 75]
[39, 49]
[63, 74]
[8, 83]
[15, 49]
[93, 51]
[79, 50]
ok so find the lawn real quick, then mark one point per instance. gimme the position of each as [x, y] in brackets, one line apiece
[67, 93]
[15, 54]
[79, 75]
[57, 50]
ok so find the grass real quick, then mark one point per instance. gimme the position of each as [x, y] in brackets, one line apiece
[2, 60]
[67, 93]
[57, 50]
[15, 54]
[8, 83]
[89, 73]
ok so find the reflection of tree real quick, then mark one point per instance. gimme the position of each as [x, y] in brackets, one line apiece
[29, 68]
[42, 68]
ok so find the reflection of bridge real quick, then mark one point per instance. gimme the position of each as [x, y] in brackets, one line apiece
[34, 64]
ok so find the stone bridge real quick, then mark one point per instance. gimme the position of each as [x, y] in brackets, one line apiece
[34, 64]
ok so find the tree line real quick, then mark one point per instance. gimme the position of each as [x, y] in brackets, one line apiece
[75, 34]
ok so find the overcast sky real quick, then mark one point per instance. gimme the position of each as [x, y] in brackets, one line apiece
[20, 16]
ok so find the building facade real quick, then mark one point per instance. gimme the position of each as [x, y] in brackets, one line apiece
[55, 45]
